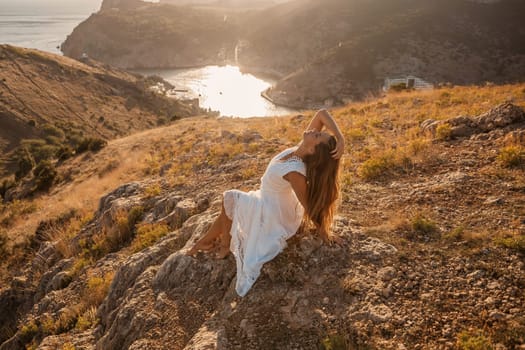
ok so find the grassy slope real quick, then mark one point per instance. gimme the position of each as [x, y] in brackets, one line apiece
[39, 89]
[210, 153]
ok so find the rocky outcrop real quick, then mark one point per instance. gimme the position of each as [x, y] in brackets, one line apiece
[391, 284]
[167, 37]
[121, 4]
[496, 122]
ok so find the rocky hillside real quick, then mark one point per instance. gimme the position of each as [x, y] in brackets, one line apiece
[431, 217]
[326, 52]
[154, 36]
[56, 101]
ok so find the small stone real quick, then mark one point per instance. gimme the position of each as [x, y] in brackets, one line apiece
[380, 313]
[387, 291]
[386, 273]
[494, 200]
[489, 301]
[426, 296]
[493, 285]
[326, 300]
[497, 315]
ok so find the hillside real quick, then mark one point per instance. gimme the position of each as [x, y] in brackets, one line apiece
[54, 102]
[154, 36]
[431, 216]
[325, 52]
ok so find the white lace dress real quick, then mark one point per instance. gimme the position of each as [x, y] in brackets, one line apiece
[263, 220]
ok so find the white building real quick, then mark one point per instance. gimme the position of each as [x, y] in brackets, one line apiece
[410, 81]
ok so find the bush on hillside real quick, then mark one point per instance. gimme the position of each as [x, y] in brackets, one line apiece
[3, 243]
[90, 144]
[64, 152]
[39, 149]
[512, 156]
[443, 131]
[44, 174]
[25, 163]
[5, 186]
[51, 130]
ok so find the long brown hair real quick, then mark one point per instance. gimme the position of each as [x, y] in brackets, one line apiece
[322, 175]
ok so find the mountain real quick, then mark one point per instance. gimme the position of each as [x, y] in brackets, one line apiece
[154, 36]
[430, 216]
[344, 50]
[324, 52]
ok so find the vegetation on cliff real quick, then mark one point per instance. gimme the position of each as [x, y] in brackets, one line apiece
[53, 108]
[431, 216]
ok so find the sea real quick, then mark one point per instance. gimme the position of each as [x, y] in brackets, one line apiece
[42, 24]
[45, 25]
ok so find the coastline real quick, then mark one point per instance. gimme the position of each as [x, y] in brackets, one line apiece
[265, 95]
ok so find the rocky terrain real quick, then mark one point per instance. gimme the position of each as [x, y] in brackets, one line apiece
[328, 52]
[431, 217]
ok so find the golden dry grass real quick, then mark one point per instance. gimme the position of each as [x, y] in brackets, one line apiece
[382, 133]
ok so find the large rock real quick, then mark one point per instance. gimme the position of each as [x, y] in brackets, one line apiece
[505, 118]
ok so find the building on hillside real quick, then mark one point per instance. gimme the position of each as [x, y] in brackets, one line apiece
[409, 82]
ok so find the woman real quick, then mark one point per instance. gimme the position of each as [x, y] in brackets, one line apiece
[299, 183]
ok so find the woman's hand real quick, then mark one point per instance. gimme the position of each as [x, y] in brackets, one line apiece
[339, 149]
[330, 239]
[324, 119]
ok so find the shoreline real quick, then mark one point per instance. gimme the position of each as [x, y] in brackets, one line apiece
[265, 95]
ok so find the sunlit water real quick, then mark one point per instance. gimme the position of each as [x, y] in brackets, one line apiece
[45, 33]
[42, 24]
[45, 24]
[224, 89]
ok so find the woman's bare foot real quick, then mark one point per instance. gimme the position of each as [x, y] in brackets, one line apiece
[201, 246]
[222, 252]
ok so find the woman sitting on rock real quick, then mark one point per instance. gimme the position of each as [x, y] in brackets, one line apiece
[300, 182]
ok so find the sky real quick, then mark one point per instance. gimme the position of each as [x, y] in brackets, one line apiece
[37, 7]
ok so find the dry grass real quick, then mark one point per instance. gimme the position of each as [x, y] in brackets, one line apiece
[383, 138]
[147, 235]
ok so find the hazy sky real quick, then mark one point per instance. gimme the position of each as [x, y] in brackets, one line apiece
[38, 6]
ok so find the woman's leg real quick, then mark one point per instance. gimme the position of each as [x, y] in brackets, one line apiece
[206, 243]
[225, 237]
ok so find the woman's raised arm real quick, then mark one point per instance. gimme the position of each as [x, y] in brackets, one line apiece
[324, 119]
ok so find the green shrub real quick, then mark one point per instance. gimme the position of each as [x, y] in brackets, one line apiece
[28, 332]
[373, 168]
[44, 174]
[516, 242]
[64, 152]
[473, 340]
[44, 153]
[25, 163]
[53, 140]
[147, 235]
[52, 130]
[382, 165]
[512, 156]
[422, 225]
[6, 185]
[3, 243]
[90, 144]
[38, 148]
[443, 131]
[456, 234]
[334, 342]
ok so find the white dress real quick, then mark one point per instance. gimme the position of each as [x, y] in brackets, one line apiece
[263, 220]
